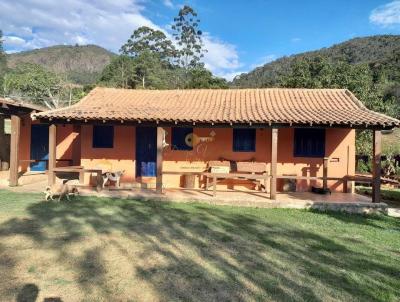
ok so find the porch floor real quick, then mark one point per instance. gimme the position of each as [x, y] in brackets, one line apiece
[231, 197]
[343, 202]
[348, 202]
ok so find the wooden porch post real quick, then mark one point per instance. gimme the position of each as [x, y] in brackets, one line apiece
[325, 174]
[274, 158]
[376, 166]
[159, 182]
[14, 149]
[3, 150]
[52, 153]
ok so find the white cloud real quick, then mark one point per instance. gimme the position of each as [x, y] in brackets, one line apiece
[295, 40]
[386, 15]
[168, 3]
[29, 24]
[14, 41]
[45, 23]
[263, 60]
[222, 58]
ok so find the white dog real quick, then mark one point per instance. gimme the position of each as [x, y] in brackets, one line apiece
[113, 176]
[59, 190]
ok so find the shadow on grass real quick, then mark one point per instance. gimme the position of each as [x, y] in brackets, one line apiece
[230, 254]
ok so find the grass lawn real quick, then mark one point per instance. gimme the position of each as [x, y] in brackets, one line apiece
[391, 194]
[93, 249]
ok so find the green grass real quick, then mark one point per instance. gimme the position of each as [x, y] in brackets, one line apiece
[97, 249]
[391, 194]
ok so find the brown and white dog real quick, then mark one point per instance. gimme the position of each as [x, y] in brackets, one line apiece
[60, 190]
[112, 176]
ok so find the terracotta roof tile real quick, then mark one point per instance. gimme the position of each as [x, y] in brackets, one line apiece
[22, 105]
[262, 106]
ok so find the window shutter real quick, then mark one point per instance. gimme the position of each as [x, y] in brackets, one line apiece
[181, 139]
[103, 137]
[244, 140]
[309, 142]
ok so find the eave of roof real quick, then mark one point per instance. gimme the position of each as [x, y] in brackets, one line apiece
[6, 103]
[256, 107]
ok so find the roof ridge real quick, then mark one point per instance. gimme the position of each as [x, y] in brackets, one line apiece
[218, 89]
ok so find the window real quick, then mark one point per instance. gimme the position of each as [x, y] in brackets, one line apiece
[182, 138]
[103, 136]
[309, 142]
[7, 126]
[244, 140]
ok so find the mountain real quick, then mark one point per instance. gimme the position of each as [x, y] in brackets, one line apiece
[359, 50]
[79, 64]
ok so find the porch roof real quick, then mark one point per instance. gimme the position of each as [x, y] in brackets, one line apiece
[10, 106]
[270, 106]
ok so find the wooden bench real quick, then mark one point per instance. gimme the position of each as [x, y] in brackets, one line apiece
[69, 161]
[81, 170]
[253, 171]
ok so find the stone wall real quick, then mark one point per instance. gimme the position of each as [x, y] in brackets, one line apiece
[351, 207]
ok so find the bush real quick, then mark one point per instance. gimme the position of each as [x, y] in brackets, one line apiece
[364, 167]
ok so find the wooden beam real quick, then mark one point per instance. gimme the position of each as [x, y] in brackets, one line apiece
[3, 142]
[274, 159]
[52, 153]
[159, 182]
[376, 166]
[76, 145]
[325, 173]
[14, 149]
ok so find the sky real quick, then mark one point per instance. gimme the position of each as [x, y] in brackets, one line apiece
[239, 35]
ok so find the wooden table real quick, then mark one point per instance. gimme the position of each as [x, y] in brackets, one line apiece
[246, 176]
[81, 170]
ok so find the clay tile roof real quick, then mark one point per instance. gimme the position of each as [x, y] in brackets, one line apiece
[221, 106]
[21, 105]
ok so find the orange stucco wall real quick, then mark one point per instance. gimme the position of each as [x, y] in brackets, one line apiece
[340, 148]
[121, 157]
[65, 141]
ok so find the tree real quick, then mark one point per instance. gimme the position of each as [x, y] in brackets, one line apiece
[203, 78]
[33, 83]
[367, 84]
[188, 37]
[3, 60]
[146, 70]
[120, 73]
[146, 39]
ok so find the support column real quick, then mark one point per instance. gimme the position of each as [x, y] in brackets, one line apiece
[325, 173]
[14, 149]
[376, 166]
[274, 159]
[52, 153]
[159, 182]
[76, 146]
[3, 142]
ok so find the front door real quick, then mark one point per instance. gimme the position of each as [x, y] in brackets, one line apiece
[146, 151]
[39, 147]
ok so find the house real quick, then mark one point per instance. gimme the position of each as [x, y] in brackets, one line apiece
[25, 148]
[158, 136]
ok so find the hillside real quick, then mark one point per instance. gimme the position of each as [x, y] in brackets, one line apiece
[79, 64]
[358, 50]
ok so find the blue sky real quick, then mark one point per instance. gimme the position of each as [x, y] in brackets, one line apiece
[239, 35]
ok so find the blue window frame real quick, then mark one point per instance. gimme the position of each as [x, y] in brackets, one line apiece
[309, 142]
[103, 137]
[182, 138]
[244, 140]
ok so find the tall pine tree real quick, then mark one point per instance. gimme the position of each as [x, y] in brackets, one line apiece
[188, 37]
[3, 63]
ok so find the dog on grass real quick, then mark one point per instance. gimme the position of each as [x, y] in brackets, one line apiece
[60, 191]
